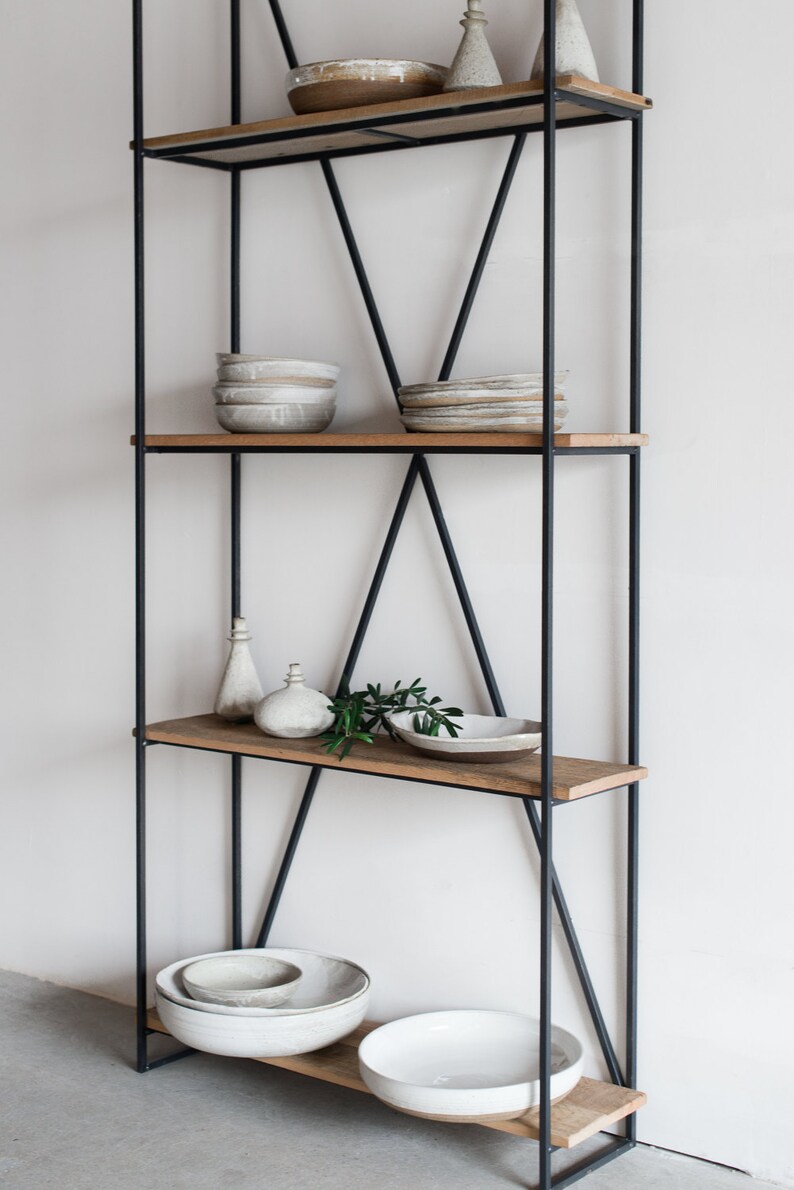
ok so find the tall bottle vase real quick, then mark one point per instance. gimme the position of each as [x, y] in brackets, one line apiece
[574, 54]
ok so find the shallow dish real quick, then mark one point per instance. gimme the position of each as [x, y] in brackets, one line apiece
[233, 366]
[482, 739]
[466, 1065]
[465, 397]
[523, 407]
[328, 982]
[252, 392]
[525, 424]
[355, 82]
[241, 981]
[530, 383]
[295, 418]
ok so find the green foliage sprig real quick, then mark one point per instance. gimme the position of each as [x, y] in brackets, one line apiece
[360, 715]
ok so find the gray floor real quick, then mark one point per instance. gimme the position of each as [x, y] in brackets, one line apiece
[76, 1116]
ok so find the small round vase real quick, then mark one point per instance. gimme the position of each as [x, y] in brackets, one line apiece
[574, 53]
[473, 64]
[296, 712]
[240, 690]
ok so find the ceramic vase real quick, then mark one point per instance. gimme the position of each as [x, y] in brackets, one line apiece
[296, 712]
[574, 52]
[473, 64]
[240, 688]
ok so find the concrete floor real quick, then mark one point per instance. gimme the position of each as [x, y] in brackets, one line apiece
[76, 1116]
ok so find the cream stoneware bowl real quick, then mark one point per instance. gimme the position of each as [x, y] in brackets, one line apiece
[328, 982]
[242, 981]
[481, 738]
[275, 368]
[466, 1065]
[251, 392]
[269, 1033]
[295, 418]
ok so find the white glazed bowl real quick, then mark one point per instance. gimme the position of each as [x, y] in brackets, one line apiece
[261, 392]
[275, 368]
[466, 1065]
[276, 1032]
[295, 418]
[241, 981]
[327, 982]
[481, 738]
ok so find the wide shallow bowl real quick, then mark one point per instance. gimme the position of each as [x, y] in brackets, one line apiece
[242, 981]
[328, 982]
[466, 1065]
[261, 392]
[295, 418]
[354, 82]
[275, 368]
[477, 410]
[525, 423]
[267, 1033]
[482, 739]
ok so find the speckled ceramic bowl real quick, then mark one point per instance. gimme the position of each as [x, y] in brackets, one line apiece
[481, 738]
[276, 369]
[294, 418]
[242, 980]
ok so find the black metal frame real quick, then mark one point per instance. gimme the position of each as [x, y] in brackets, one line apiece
[551, 894]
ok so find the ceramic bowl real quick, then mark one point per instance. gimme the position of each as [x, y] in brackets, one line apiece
[525, 383]
[295, 418]
[275, 1032]
[261, 392]
[520, 424]
[275, 369]
[242, 981]
[482, 739]
[466, 1065]
[327, 982]
[355, 82]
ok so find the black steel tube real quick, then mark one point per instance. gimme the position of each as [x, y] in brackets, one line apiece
[411, 445]
[589, 1164]
[632, 891]
[482, 256]
[283, 33]
[140, 542]
[347, 673]
[237, 852]
[547, 582]
[235, 72]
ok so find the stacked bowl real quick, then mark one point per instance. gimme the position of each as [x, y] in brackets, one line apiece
[328, 999]
[492, 403]
[259, 394]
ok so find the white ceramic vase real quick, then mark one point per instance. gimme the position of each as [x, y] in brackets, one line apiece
[296, 712]
[240, 689]
[473, 64]
[574, 52]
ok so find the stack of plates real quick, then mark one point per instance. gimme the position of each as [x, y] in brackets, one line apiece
[493, 403]
[260, 394]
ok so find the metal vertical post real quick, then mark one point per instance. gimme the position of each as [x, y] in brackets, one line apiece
[140, 542]
[236, 471]
[547, 566]
[632, 909]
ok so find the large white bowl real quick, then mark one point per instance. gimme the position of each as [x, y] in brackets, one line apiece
[466, 1065]
[252, 392]
[275, 368]
[295, 418]
[328, 982]
[241, 980]
[481, 738]
[264, 1033]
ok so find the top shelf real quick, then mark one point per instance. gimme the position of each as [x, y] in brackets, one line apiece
[406, 123]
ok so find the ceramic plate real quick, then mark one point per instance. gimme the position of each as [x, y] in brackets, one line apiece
[528, 382]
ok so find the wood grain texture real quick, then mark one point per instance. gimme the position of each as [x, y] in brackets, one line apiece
[573, 778]
[291, 135]
[589, 1108]
[364, 442]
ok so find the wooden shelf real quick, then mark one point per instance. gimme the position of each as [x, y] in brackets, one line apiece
[460, 115]
[400, 442]
[590, 1107]
[519, 778]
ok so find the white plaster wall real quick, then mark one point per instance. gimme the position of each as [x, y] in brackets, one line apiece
[427, 888]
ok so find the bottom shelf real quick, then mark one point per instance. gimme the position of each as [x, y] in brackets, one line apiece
[590, 1107]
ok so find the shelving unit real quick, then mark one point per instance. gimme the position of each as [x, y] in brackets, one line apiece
[515, 111]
